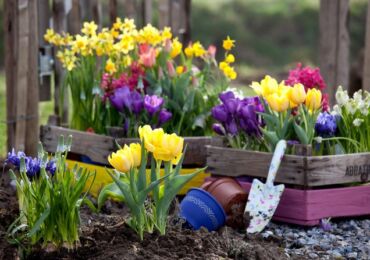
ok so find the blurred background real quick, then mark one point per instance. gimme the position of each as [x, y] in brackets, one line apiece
[271, 38]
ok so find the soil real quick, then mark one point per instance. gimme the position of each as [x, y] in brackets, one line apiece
[105, 235]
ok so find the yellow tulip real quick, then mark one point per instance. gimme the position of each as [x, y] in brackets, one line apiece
[297, 94]
[267, 86]
[136, 153]
[313, 99]
[122, 160]
[278, 103]
[152, 138]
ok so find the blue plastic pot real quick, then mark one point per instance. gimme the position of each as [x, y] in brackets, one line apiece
[199, 208]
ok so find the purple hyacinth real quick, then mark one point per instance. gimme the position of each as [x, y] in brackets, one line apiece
[326, 125]
[15, 158]
[33, 166]
[137, 102]
[121, 98]
[164, 116]
[51, 167]
[153, 104]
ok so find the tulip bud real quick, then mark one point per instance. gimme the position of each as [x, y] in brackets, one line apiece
[171, 69]
[212, 51]
[313, 99]
[297, 94]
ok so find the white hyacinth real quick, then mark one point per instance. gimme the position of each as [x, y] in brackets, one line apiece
[341, 96]
[363, 107]
[337, 110]
[358, 96]
[351, 106]
[357, 122]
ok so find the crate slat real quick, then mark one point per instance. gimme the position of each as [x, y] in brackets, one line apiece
[237, 162]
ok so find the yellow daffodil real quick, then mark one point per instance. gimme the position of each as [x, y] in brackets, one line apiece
[117, 25]
[110, 67]
[230, 58]
[122, 160]
[166, 33]
[189, 52]
[278, 103]
[228, 44]
[223, 65]
[89, 28]
[135, 149]
[230, 72]
[297, 94]
[313, 99]
[176, 48]
[198, 49]
[128, 25]
[50, 35]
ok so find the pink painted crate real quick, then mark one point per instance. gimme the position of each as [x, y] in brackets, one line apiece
[308, 207]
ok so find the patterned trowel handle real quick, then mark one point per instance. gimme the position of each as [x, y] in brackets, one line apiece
[275, 162]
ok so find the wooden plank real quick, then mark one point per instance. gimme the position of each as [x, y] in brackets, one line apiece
[113, 11]
[22, 74]
[186, 35]
[366, 71]
[338, 169]
[32, 126]
[130, 9]
[11, 37]
[164, 13]
[74, 18]
[98, 147]
[236, 162]
[147, 11]
[334, 44]
[44, 15]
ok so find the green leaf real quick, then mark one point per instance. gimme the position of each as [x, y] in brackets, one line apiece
[110, 191]
[39, 222]
[142, 169]
[153, 178]
[301, 134]
[271, 137]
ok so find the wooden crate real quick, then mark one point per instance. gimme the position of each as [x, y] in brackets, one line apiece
[304, 171]
[315, 185]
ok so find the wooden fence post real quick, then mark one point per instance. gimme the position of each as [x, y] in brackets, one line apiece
[113, 14]
[366, 71]
[60, 25]
[164, 13]
[22, 74]
[147, 11]
[74, 18]
[334, 44]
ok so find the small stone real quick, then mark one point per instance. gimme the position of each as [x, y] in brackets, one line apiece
[302, 241]
[336, 254]
[313, 255]
[352, 255]
[302, 234]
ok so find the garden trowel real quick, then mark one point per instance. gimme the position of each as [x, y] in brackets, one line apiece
[264, 198]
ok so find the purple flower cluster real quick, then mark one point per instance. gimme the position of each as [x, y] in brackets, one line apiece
[326, 125]
[237, 115]
[124, 99]
[33, 165]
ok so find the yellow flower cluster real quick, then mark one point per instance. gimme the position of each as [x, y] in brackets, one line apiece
[126, 158]
[165, 147]
[196, 49]
[224, 65]
[280, 96]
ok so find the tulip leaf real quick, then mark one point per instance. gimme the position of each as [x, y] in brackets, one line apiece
[153, 177]
[142, 170]
[126, 192]
[109, 191]
[302, 136]
[144, 193]
[271, 137]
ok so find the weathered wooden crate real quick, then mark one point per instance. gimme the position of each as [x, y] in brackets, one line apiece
[98, 147]
[315, 185]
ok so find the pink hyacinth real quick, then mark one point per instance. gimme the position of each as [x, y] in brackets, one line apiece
[309, 77]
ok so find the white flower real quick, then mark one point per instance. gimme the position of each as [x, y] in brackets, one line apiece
[358, 96]
[337, 110]
[318, 139]
[357, 122]
[341, 96]
[351, 106]
[363, 107]
[237, 92]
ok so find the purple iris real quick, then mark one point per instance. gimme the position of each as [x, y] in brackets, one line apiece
[121, 98]
[153, 104]
[224, 96]
[219, 129]
[326, 125]
[137, 102]
[164, 116]
[235, 115]
[219, 113]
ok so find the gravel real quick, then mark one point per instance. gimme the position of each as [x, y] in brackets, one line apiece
[346, 239]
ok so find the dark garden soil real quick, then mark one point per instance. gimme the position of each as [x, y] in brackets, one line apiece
[106, 236]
